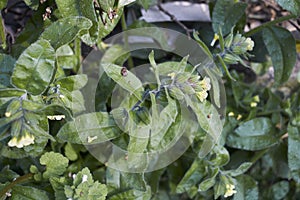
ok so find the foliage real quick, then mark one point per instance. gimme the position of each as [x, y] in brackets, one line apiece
[59, 142]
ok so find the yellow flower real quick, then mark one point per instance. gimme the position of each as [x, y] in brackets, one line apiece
[172, 75]
[250, 44]
[231, 114]
[7, 114]
[205, 84]
[256, 98]
[239, 117]
[229, 190]
[202, 95]
[216, 37]
[25, 140]
[253, 104]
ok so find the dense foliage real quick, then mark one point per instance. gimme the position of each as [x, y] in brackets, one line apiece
[197, 116]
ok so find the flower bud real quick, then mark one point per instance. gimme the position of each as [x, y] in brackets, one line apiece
[182, 77]
[188, 89]
[176, 93]
[231, 59]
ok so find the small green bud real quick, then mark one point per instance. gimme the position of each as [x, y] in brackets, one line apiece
[183, 77]
[231, 59]
[228, 40]
[176, 93]
[188, 89]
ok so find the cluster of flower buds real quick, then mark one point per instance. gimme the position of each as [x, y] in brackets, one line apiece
[236, 46]
[185, 83]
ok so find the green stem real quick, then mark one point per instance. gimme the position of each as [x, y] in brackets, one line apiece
[124, 28]
[225, 67]
[77, 54]
[270, 23]
[18, 180]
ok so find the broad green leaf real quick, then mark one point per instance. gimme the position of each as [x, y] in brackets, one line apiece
[226, 14]
[89, 129]
[7, 64]
[74, 82]
[208, 117]
[86, 9]
[35, 67]
[116, 54]
[20, 192]
[56, 164]
[293, 151]
[65, 57]
[246, 188]
[291, 5]
[193, 176]
[254, 127]
[106, 25]
[64, 30]
[161, 123]
[251, 143]
[129, 82]
[281, 46]
[279, 190]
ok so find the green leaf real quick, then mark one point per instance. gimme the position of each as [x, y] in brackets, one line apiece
[212, 124]
[279, 190]
[56, 164]
[33, 4]
[7, 64]
[65, 57]
[240, 170]
[281, 46]
[147, 3]
[209, 182]
[251, 143]
[106, 25]
[64, 30]
[246, 188]
[193, 176]
[226, 14]
[255, 127]
[293, 151]
[71, 83]
[20, 192]
[129, 82]
[84, 187]
[35, 67]
[86, 9]
[292, 5]
[89, 128]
